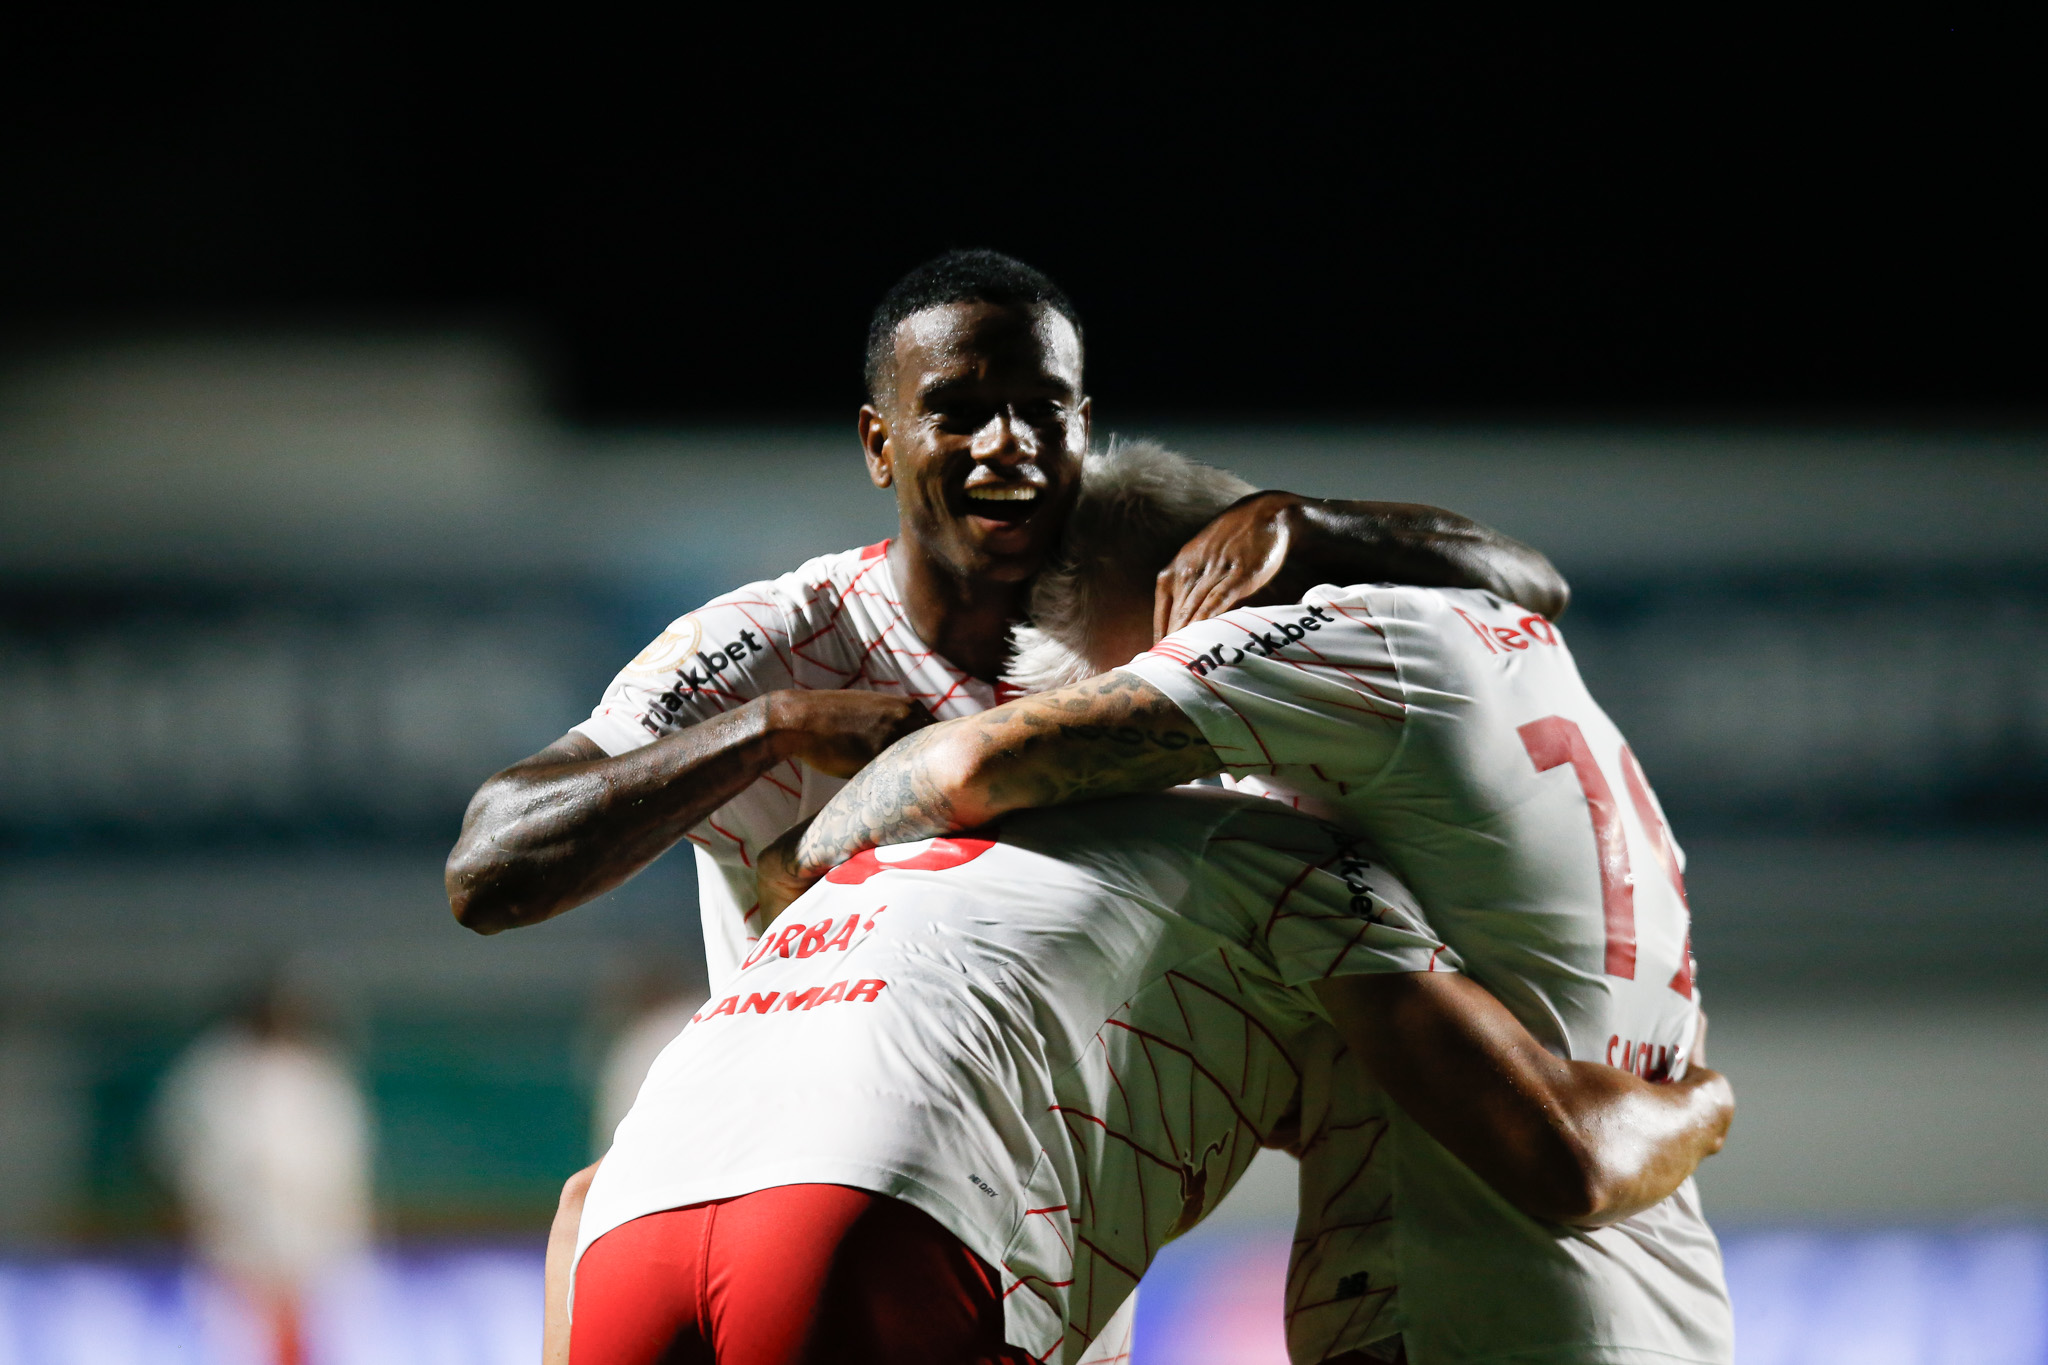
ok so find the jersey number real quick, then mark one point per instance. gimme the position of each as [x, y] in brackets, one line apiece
[936, 856]
[1552, 743]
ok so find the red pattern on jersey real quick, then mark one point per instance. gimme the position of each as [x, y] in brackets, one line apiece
[1349, 672]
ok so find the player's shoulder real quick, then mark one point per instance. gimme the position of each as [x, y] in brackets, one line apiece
[1404, 599]
[1459, 612]
[820, 580]
[840, 569]
[760, 617]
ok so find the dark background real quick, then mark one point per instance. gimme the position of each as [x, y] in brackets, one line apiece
[1258, 218]
[373, 385]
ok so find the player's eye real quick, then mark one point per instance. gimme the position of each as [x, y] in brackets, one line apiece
[965, 417]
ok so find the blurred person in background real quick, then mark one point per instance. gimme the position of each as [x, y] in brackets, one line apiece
[266, 1138]
[654, 1005]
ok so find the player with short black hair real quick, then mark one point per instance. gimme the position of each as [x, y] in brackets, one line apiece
[975, 275]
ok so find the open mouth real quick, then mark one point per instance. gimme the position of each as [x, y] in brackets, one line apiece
[1009, 503]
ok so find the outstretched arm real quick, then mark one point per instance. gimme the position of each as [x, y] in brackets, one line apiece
[1108, 736]
[1272, 547]
[570, 823]
[1573, 1142]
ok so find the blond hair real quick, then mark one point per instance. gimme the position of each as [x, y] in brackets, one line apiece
[1139, 503]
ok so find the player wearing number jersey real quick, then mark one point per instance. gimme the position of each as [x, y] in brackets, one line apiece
[1472, 753]
[1454, 731]
[1063, 1044]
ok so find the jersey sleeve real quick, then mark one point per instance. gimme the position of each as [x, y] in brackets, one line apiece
[1321, 905]
[1273, 686]
[721, 656]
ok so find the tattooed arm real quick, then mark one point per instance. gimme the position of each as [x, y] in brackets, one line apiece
[1105, 737]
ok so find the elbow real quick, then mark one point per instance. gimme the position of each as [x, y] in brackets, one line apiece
[469, 896]
[1547, 593]
[1568, 1183]
[970, 774]
[479, 878]
[489, 888]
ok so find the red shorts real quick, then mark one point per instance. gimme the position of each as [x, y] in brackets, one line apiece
[795, 1275]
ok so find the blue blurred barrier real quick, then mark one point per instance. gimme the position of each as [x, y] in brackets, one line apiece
[1969, 1296]
[468, 1307]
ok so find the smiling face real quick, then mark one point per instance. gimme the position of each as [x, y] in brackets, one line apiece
[981, 436]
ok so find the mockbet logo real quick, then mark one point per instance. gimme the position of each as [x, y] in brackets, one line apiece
[1265, 643]
[716, 662]
[665, 708]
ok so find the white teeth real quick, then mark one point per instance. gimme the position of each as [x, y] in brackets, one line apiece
[1003, 492]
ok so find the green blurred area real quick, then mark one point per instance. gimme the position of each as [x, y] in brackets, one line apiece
[478, 1119]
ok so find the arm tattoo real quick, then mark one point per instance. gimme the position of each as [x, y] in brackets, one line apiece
[1109, 736]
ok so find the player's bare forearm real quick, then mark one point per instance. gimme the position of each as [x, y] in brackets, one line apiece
[1407, 542]
[1270, 548]
[1108, 736]
[570, 823]
[1573, 1142]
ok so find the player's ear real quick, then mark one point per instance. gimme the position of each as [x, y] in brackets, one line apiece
[874, 444]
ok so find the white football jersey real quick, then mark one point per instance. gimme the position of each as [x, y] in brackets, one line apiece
[1064, 1042]
[1452, 729]
[835, 622]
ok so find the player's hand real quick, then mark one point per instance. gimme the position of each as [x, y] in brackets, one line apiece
[1718, 1094]
[1241, 559]
[775, 879]
[839, 733]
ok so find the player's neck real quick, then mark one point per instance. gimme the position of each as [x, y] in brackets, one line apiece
[967, 622]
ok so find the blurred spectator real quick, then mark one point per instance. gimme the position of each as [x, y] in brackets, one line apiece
[267, 1140]
[657, 1004]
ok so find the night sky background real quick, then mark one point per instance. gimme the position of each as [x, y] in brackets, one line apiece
[1275, 219]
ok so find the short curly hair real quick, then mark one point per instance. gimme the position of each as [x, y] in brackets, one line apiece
[973, 276]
